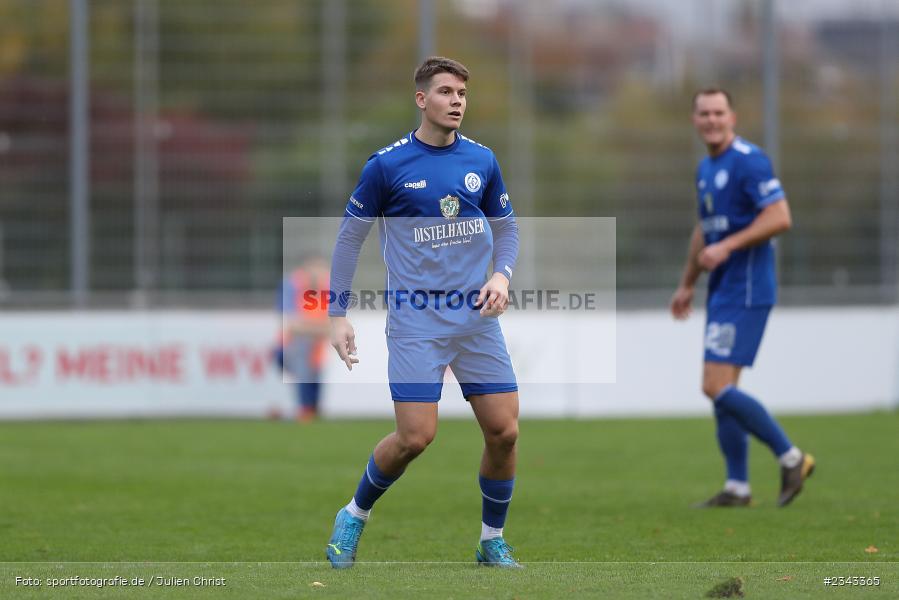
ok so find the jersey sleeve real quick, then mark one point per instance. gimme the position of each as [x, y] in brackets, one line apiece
[498, 210]
[350, 237]
[362, 209]
[758, 181]
[367, 199]
[495, 202]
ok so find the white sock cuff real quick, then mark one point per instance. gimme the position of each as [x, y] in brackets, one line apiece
[488, 532]
[357, 512]
[790, 458]
[737, 488]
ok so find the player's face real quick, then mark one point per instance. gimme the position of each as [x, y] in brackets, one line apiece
[714, 120]
[443, 103]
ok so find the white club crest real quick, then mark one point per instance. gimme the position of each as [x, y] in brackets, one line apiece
[472, 182]
[721, 178]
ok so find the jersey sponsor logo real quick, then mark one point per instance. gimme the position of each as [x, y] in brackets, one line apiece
[720, 338]
[472, 182]
[715, 224]
[504, 200]
[417, 185]
[721, 178]
[447, 231]
[709, 202]
[355, 202]
[767, 187]
[449, 207]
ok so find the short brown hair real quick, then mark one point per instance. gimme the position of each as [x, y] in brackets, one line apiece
[711, 91]
[438, 64]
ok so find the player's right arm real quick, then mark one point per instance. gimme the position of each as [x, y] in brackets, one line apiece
[361, 212]
[682, 300]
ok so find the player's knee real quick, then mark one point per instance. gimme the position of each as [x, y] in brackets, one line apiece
[503, 437]
[414, 444]
[712, 388]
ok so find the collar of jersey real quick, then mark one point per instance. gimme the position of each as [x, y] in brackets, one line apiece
[435, 149]
[726, 150]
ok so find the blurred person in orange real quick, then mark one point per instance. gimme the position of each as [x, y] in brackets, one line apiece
[303, 339]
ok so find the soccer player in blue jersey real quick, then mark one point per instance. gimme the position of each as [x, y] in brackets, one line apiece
[444, 216]
[742, 206]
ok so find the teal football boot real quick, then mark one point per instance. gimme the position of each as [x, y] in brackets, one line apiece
[496, 552]
[341, 550]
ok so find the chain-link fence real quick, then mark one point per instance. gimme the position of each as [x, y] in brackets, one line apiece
[207, 122]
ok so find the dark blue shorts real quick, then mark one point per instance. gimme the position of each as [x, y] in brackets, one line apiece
[733, 334]
[480, 362]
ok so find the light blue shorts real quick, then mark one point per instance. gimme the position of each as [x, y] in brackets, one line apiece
[480, 362]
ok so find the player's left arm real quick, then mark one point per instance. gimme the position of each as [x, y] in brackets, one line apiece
[773, 218]
[494, 295]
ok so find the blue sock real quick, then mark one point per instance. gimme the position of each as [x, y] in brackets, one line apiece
[754, 418]
[734, 443]
[496, 493]
[372, 485]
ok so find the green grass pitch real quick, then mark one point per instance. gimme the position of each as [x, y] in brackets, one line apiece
[601, 509]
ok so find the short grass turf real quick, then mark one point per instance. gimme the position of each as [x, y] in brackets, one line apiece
[601, 509]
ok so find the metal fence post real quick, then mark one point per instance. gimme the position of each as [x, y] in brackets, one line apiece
[146, 156]
[79, 153]
[889, 186]
[333, 132]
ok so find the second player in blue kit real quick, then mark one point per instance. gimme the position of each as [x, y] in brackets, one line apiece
[444, 216]
[742, 206]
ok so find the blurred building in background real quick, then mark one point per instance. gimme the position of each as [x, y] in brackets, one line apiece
[208, 121]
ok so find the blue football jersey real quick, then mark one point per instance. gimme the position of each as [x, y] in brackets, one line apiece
[434, 206]
[732, 189]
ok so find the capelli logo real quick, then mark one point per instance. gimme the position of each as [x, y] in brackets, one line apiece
[766, 187]
[417, 185]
